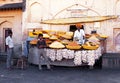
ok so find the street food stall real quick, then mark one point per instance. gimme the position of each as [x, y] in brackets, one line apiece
[63, 51]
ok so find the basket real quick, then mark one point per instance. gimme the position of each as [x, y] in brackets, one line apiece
[103, 36]
[73, 47]
[90, 47]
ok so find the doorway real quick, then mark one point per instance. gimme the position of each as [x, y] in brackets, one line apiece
[5, 34]
[116, 33]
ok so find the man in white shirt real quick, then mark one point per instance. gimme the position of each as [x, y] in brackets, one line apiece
[79, 34]
[10, 46]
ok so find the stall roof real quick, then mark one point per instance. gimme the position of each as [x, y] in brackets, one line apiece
[88, 19]
[11, 6]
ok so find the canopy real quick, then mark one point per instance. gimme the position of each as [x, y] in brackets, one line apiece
[88, 19]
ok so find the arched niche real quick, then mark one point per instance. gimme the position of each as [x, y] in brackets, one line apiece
[116, 40]
[35, 12]
[81, 9]
[117, 8]
[4, 26]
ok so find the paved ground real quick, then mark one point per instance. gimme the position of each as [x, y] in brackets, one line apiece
[59, 75]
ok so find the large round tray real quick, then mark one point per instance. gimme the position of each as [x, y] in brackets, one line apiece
[73, 47]
[90, 47]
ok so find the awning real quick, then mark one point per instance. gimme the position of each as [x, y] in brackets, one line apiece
[88, 19]
[11, 6]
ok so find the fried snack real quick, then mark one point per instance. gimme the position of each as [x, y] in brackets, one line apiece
[73, 46]
[33, 42]
[93, 38]
[48, 41]
[53, 37]
[56, 44]
[69, 33]
[87, 35]
[65, 41]
[66, 36]
[46, 36]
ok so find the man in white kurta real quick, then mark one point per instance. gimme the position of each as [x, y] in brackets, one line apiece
[79, 34]
[10, 46]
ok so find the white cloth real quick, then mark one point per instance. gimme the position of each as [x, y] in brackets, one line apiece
[9, 42]
[79, 35]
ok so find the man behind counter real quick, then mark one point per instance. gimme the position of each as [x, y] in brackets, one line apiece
[79, 34]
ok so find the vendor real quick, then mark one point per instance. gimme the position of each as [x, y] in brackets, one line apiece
[79, 34]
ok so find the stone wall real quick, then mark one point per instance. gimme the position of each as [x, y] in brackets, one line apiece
[49, 9]
[11, 19]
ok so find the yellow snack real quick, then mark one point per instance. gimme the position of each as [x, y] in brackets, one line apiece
[53, 37]
[34, 34]
[103, 36]
[69, 33]
[66, 36]
[88, 44]
[90, 47]
[31, 34]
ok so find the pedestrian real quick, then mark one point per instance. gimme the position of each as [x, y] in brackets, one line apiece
[10, 49]
[79, 34]
[41, 44]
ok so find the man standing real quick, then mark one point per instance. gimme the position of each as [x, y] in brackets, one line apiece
[41, 44]
[10, 46]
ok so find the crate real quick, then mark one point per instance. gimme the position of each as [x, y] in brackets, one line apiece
[111, 60]
[22, 62]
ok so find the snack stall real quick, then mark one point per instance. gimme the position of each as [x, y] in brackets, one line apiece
[63, 51]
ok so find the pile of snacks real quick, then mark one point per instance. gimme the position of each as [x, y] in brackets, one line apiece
[33, 42]
[73, 46]
[56, 44]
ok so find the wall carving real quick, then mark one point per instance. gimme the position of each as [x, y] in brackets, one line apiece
[35, 13]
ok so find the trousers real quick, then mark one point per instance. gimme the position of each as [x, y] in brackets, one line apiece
[43, 58]
[10, 53]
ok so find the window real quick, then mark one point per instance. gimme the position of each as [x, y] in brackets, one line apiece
[72, 28]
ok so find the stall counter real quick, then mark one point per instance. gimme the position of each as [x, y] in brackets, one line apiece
[66, 57]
